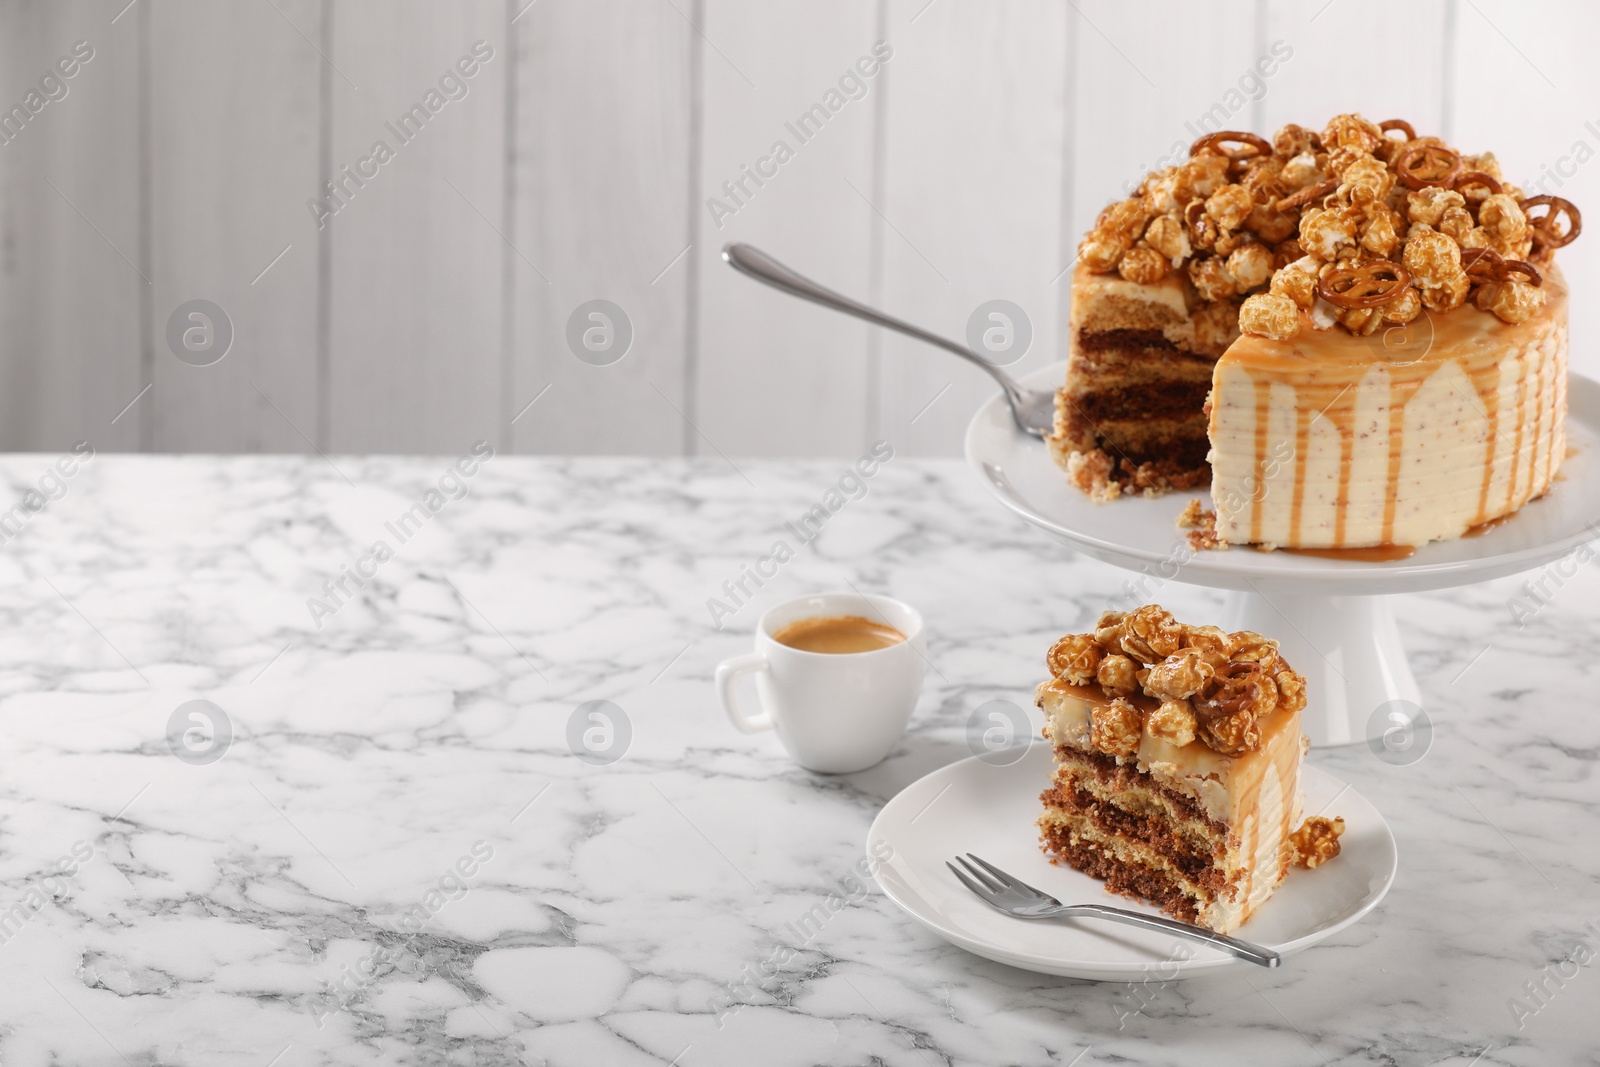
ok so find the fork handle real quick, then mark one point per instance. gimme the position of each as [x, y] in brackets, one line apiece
[1262, 957]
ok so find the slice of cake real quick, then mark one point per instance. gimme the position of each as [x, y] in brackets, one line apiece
[1177, 760]
[1377, 319]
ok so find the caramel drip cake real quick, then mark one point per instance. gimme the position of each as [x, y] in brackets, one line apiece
[1357, 337]
[1177, 760]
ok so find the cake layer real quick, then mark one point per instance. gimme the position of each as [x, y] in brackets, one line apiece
[1132, 870]
[1329, 440]
[1252, 798]
[1120, 804]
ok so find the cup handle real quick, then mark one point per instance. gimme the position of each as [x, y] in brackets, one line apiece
[727, 672]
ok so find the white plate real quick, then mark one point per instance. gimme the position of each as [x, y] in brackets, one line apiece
[973, 806]
[1139, 533]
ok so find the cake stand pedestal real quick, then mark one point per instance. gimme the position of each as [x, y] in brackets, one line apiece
[1332, 617]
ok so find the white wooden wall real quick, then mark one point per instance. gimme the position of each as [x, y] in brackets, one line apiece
[433, 308]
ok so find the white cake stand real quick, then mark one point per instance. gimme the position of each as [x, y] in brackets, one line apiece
[1331, 616]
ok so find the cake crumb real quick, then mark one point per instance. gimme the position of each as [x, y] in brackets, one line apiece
[1202, 526]
[1317, 841]
[1091, 472]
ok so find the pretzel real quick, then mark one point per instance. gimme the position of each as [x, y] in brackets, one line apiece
[1476, 177]
[1304, 196]
[1482, 265]
[1546, 238]
[1364, 286]
[1517, 266]
[1398, 124]
[1427, 164]
[1217, 142]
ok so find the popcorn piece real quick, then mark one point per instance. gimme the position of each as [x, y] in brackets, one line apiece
[1291, 689]
[1232, 734]
[1516, 301]
[1074, 659]
[1143, 265]
[1300, 171]
[1115, 728]
[1179, 676]
[1456, 222]
[1270, 315]
[1366, 181]
[1451, 294]
[1502, 217]
[1429, 203]
[1381, 231]
[1247, 646]
[1317, 841]
[1298, 282]
[1173, 722]
[1150, 634]
[1101, 251]
[1116, 676]
[1250, 265]
[1167, 236]
[1431, 258]
[1404, 308]
[1229, 206]
[1211, 278]
[1108, 630]
[1351, 131]
[1210, 640]
[1325, 232]
[1292, 141]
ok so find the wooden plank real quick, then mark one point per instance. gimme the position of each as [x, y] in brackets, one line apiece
[234, 128]
[772, 375]
[600, 194]
[70, 254]
[1524, 86]
[416, 331]
[1337, 45]
[1148, 74]
[973, 180]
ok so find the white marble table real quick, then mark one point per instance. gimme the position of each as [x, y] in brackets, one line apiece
[281, 905]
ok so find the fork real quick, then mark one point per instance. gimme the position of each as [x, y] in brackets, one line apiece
[1009, 894]
[1033, 410]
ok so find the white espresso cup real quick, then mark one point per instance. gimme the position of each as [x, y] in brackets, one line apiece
[836, 712]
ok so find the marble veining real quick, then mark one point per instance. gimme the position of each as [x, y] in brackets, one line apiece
[399, 857]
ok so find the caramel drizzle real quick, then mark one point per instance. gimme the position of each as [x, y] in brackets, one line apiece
[1263, 406]
[1491, 407]
[1302, 450]
[1516, 442]
[1347, 462]
[1397, 417]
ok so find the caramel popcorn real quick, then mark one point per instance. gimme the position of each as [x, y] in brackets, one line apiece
[1074, 659]
[1431, 258]
[1210, 640]
[1115, 728]
[1270, 315]
[1179, 676]
[1233, 734]
[1205, 684]
[1244, 214]
[1317, 841]
[1143, 265]
[1297, 281]
[1117, 675]
[1150, 634]
[1516, 301]
[1167, 236]
[1173, 722]
[1250, 265]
